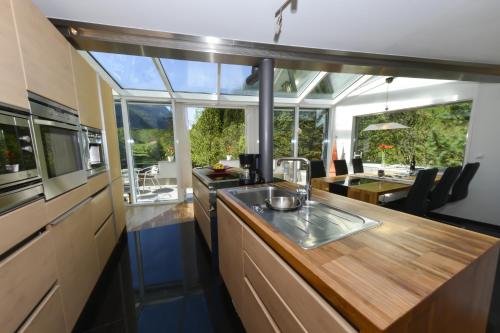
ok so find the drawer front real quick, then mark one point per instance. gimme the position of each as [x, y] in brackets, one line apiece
[61, 204]
[279, 311]
[98, 182]
[25, 277]
[202, 193]
[203, 221]
[105, 240]
[48, 316]
[102, 207]
[21, 223]
[255, 317]
[313, 312]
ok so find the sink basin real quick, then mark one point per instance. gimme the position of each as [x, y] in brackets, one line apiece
[310, 226]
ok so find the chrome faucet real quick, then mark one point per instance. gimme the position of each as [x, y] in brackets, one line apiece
[306, 191]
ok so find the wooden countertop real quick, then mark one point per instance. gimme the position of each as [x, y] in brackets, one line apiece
[384, 278]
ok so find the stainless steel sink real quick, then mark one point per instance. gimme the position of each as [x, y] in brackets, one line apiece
[313, 225]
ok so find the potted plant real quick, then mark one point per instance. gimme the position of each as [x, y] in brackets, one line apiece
[229, 152]
[170, 153]
[10, 166]
[383, 148]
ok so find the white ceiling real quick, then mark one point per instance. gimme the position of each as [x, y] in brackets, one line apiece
[461, 30]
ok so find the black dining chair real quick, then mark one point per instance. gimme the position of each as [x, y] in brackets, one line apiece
[441, 192]
[340, 167]
[317, 169]
[357, 165]
[416, 201]
[461, 188]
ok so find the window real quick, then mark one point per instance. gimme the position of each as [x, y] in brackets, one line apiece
[313, 134]
[284, 129]
[233, 80]
[333, 85]
[130, 72]
[191, 76]
[215, 134]
[436, 136]
[291, 82]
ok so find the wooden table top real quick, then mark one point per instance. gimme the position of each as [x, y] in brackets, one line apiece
[380, 186]
[377, 277]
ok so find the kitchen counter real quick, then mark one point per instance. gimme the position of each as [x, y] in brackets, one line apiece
[409, 274]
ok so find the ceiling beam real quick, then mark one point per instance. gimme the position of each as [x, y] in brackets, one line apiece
[163, 76]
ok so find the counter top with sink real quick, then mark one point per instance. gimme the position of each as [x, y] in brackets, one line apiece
[387, 277]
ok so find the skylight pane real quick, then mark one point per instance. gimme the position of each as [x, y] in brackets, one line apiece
[233, 80]
[131, 72]
[332, 85]
[191, 76]
[291, 82]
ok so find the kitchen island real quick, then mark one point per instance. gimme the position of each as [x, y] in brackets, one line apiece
[410, 274]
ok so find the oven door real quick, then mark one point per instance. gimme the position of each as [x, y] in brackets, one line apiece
[59, 152]
[17, 155]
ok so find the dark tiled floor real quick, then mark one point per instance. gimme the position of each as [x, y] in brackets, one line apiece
[160, 280]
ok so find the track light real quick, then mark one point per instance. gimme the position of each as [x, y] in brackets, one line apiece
[279, 23]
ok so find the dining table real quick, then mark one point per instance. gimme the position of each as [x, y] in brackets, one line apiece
[368, 187]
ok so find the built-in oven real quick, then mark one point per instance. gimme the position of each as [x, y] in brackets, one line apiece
[19, 178]
[58, 146]
[93, 150]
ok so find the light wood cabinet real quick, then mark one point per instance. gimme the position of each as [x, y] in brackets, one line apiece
[203, 221]
[46, 55]
[86, 91]
[255, 316]
[118, 206]
[63, 203]
[108, 109]
[98, 182]
[77, 261]
[48, 317]
[230, 253]
[12, 83]
[105, 240]
[102, 208]
[25, 277]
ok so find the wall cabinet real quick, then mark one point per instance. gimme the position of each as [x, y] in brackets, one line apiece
[46, 55]
[86, 91]
[267, 293]
[77, 261]
[108, 109]
[12, 83]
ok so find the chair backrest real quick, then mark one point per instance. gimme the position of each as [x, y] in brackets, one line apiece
[416, 201]
[441, 193]
[317, 169]
[461, 188]
[340, 167]
[357, 165]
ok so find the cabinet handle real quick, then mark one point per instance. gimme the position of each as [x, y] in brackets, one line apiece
[70, 212]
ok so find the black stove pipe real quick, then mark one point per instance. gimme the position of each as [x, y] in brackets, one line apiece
[266, 80]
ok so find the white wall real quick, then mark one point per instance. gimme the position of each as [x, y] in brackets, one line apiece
[398, 100]
[483, 202]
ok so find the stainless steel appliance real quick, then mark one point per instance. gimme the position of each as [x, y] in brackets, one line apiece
[58, 146]
[93, 150]
[19, 178]
[249, 164]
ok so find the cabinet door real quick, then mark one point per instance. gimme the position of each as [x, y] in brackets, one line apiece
[77, 261]
[105, 240]
[108, 110]
[46, 55]
[86, 91]
[12, 84]
[102, 207]
[230, 253]
[118, 206]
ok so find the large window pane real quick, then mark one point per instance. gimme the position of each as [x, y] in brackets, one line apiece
[332, 85]
[313, 134]
[233, 80]
[283, 128]
[191, 76]
[436, 136]
[152, 133]
[291, 82]
[131, 72]
[215, 134]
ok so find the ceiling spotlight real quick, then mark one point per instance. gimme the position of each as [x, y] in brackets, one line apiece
[73, 31]
[279, 23]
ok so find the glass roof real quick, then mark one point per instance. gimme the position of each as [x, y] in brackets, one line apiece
[174, 77]
[191, 76]
[332, 85]
[233, 80]
[131, 72]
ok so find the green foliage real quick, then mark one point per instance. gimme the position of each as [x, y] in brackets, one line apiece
[436, 135]
[313, 131]
[283, 125]
[215, 134]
